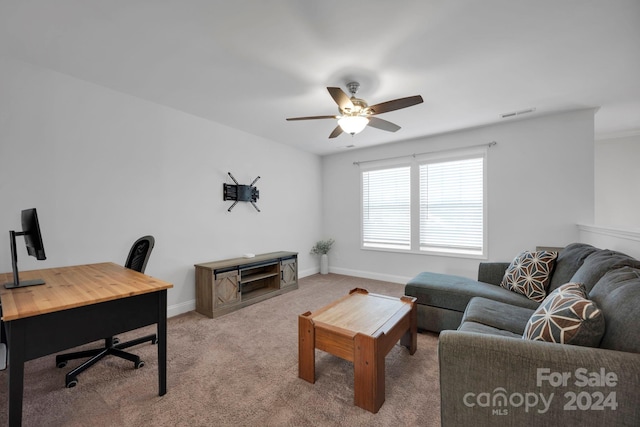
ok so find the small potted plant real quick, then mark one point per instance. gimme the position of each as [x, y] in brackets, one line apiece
[322, 248]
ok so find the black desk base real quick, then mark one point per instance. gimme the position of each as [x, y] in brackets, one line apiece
[36, 336]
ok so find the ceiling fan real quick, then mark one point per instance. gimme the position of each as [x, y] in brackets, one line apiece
[356, 114]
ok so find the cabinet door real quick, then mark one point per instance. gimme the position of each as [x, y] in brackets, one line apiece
[227, 288]
[288, 272]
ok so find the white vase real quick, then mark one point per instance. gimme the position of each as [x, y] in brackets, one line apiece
[324, 264]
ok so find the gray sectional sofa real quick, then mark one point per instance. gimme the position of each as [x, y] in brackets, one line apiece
[491, 375]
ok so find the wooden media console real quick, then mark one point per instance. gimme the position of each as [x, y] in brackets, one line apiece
[228, 285]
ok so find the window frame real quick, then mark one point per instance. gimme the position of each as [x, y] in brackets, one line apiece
[414, 163]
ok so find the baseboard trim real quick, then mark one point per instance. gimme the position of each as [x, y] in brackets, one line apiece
[369, 275]
[308, 272]
[183, 307]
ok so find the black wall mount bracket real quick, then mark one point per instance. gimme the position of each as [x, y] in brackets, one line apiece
[240, 193]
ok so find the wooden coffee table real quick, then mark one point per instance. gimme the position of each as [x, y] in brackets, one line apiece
[361, 328]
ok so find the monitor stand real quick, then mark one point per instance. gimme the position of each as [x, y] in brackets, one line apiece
[24, 283]
[14, 266]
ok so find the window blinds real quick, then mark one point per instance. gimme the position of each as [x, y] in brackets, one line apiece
[386, 208]
[451, 205]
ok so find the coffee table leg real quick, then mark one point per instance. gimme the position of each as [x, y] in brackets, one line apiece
[306, 349]
[368, 367]
[410, 338]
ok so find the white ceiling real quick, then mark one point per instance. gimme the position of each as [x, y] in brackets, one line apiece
[249, 64]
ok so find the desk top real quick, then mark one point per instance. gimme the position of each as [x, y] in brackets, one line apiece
[75, 286]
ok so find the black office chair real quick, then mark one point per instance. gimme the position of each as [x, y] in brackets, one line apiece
[137, 260]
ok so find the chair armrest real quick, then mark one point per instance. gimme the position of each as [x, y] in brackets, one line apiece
[489, 380]
[492, 272]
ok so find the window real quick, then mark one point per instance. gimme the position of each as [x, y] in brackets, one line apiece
[451, 205]
[386, 208]
[434, 204]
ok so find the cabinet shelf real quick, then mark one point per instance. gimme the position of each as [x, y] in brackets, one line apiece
[256, 293]
[253, 277]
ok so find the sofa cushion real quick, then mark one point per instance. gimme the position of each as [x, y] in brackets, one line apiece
[567, 317]
[598, 263]
[618, 295]
[479, 328]
[492, 272]
[569, 260]
[455, 292]
[529, 274]
[498, 315]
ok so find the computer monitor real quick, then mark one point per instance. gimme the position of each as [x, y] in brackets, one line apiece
[33, 243]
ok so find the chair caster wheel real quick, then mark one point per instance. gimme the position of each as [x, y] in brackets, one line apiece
[61, 364]
[72, 383]
[154, 341]
[140, 364]
[116, 340]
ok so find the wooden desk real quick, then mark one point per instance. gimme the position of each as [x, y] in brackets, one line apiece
[64, 313]
[361, 328]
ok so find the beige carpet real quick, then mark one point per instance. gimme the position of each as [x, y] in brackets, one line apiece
[238, 370]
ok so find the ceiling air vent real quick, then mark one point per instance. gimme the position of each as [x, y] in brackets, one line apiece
[517, 113]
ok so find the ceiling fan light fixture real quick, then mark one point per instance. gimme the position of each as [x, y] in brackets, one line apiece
[353, 124]
[356, 114]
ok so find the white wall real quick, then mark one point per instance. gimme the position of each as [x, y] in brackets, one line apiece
[617, 205]
[540, 185]
[617, 173]
[617, 239]
[104, 168]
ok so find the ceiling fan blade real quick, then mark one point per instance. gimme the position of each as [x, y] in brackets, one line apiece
[336, 132]
[341, 98]
[383, 124]
[312, 118]
[396, 104]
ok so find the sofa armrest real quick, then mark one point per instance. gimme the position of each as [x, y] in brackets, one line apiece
[490, 380]
[492, 272]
